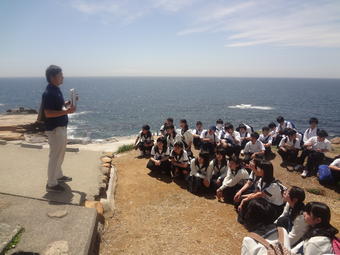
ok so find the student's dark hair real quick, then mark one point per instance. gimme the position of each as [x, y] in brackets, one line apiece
[199, 123]
[221, 151]
[52, 71]
[185, 124]
[322, 133]
[235, 159]
[146, 127]
[259, 214]
[170, 120]
[298, 194]
[228, 126]
[268, 171]
[265, 129]
[290, 132]
[324, 228]
[163, 141]
[170, 127]
[219, 121]
[242, 126]
[179, 144]
[205, 157]
[313, 120]
[272, 125]
[255, 135]
[280, 119]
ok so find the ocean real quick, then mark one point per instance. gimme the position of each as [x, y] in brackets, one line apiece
[119, 106]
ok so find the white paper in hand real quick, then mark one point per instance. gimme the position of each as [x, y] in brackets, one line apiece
[73, 96]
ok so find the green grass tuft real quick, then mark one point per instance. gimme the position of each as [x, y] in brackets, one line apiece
[125, 148]
[14, 242]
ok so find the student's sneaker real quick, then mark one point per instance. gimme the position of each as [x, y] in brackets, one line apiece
[64, 179]
[57, 188]
[304, 174]
[284, 164]
[298, 168]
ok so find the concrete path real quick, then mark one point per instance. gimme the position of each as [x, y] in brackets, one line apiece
[23, 172]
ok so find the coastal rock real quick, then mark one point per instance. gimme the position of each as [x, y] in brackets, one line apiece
[106, 165]
[103, 178]
[22, 110]
[105, 170]
[57, 248]
[106, 159]
[57, 214]
[335, 140]
[109, 154]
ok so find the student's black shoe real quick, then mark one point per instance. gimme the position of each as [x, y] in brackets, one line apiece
[57, 188]
[64, 179]
[140, 156]
[284, 164]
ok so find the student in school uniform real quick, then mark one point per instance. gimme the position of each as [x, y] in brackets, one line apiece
[292, 218]
[219, 168]
[187, 137]
[180, 165]
[254, 148]
[272, 133]
[231, 141]
[289, 148]
[219, 126]
[267, 141]
[263, 232]
[168, 122]
[197, 135]
[315, 148]
[209, 140]
[144, 141]
[244, 135]
[172, 137]
[159, 160]
[200, 173]
[320, 234]
[335, 169]
[266, 187]
[236, 177]
[280, 129]
[312, 130]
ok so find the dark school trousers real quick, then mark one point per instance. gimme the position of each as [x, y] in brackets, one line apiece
[314, 159]
[208, 147]
[289, 155]
[165, 166]
[233, 149]
[197, 143]
[230, 192]
[142, 147]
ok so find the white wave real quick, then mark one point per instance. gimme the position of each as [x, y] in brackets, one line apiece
[249, 106]
[78, 113]
[2, 105]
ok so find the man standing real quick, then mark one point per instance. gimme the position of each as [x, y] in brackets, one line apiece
[56, 110]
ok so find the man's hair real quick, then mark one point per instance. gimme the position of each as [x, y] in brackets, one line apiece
[322, 133]
[255, 135]
[52, 71]
[280, 119]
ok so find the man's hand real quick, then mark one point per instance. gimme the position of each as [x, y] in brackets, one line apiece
[237, 197]
[206, 183]
[158, 163]
[71, 109]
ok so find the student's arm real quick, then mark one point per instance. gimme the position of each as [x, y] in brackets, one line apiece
[210, 170]
[334, 168]
[193, 170]
[300, 227]
[183, 165]
[246, 186]
[137, 139]
[55, 114]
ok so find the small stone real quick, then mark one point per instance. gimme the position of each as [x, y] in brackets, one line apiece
[109, 154]
[95, 204]
[57, 214]
[335, 140]
[105, 170]
[57, 248]
[103, 178]
[106, 165]
[106, 159]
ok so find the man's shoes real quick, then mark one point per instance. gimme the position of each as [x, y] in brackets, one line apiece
[304, 174]
[64, 179]
[57, 188]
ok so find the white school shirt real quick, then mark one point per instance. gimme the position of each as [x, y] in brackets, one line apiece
[213, 138]
[180, 158]
[310, 132]
[187, 136]
[286, 141]
[266, 139]
[299, 228]
[336, 163]
[286, 124]
[225, 135]
[252, 247]
[143, 138]
[252, 148]
[199, 170]
[170, 141]
[273, 192]
[316, 145]
[215, 169]
[244, 135]
[197, 132]
[317, 245]
[235, 177]
[159, 155]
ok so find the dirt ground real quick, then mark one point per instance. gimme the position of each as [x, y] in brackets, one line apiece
[156, 216]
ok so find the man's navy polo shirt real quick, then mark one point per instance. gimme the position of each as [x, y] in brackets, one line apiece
[53, 100]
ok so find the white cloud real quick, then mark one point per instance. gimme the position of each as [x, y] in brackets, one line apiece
[172, 5]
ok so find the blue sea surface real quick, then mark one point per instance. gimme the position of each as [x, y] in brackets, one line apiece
[119, 106]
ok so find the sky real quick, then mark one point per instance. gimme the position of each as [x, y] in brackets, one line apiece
[228, 38]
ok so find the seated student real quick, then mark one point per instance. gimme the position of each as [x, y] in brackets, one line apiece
[266, 187]
[159, 160]
[200, 173]
[168, 122]
[172, 137]
[219, 126]
[179, 161]
[144, 141]
[219, 168]
[267, 140]
[231, 141]
[289, 148]
[186, 136]
[280, 129]
[315, 148]
[259, 221]
[244, 135]
[197, 135]
[292, 217]
[272, 133]
[254, 148]
[335, 169]
[236, 177]
[318, 238]
[312, 130]
[209, 140]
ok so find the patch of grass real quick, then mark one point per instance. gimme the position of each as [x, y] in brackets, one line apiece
[316, 191]
[125, 148]
[16, 239]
